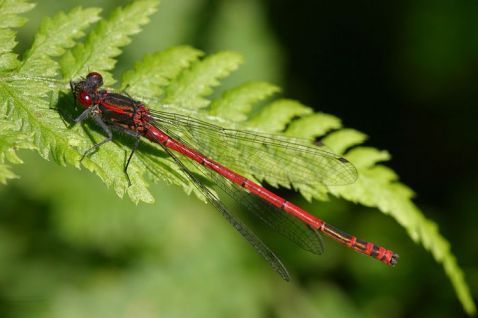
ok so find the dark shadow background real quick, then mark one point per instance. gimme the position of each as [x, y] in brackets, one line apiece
[363, 62]
[406, 74]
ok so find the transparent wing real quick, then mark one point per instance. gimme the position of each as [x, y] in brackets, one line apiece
[258, 245]
[277, 159]
[283, 223]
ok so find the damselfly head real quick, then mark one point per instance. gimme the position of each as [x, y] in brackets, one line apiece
[94, 80]
[86, 90]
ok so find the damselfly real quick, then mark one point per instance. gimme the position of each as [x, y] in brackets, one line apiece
[211, 149]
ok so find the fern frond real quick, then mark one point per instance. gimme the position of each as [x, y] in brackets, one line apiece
[11, 141]
[30, 100]
[189, 88]
[378, 187]
[275, 116]
[104, 42]
[9, 18]
[152, 74]
[236, 103]
[51, 41]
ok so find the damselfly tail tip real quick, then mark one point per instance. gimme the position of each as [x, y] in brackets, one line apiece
[394, 259]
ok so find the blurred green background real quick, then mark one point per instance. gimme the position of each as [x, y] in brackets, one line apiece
[404, 73]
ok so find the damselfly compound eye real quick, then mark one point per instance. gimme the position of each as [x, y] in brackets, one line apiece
[85, 99]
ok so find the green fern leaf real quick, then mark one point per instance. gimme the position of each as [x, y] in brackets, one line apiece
[51, 41]
[29, 101]
[104, 42]
[188, 89]
[151, 75]
[236, 103]
[9, 18]
[313, 126]
[184, 83]
[343, 139]
[275, 116]
[10, 141]
[378, 187]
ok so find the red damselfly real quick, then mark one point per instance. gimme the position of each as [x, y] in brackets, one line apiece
[192, 138]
